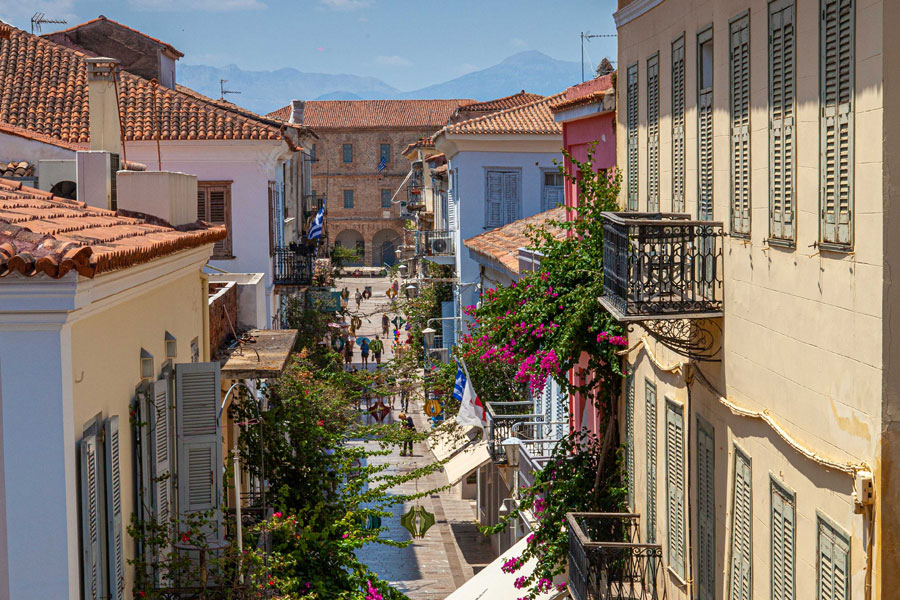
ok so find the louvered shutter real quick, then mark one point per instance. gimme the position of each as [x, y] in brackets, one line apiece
[114, 554]
[742, 517]
[675, 486]
[629, 437]
[561, 405]
[836, 122]
[553, 196]
[493, 205]
[451, 208]
[632, 131]
[678, 124]
[705, 147]
[706, 512]
[781, 117]
[651, 435]
[653, 133]
[161, 439]
[271, 198]
[782, 544]
[214, 207]
[510, 197]
[202, 203]
[740, 126]
[199, 439]
[91, 525]
[834, 563]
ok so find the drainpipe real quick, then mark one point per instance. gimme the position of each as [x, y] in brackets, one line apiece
[688, 551]
[204, 302]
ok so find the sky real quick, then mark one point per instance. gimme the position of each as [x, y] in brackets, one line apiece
[408, 44]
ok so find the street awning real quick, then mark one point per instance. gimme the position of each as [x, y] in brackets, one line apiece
[491, 583]
[444, 444]
[467, 461]
[263, 355]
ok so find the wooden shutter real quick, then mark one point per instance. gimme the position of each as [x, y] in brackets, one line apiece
[202, 203]
[741, 541]
[494, 199]
[629, 437]
[510, 197]
[834, 563]
[553, 196]
[632, 131]
[91, 526]
[652, 426]
[451, 207]
[782, 168]
[706, 512]
[561, 408]
[678, 124]
[836, 122]
[214, 207]
[199, 439]
[653, 133]
[271, 218]
[161, 443]
[675, 486]
[740, 126]
[115, 552]
[782, 543]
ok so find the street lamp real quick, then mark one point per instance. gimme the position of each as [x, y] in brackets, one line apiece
[428, 335]
[512, 446]
[412, 290]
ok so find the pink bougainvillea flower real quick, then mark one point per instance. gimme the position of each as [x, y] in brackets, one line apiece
[277, 515]
[185, 538]
[320, 423]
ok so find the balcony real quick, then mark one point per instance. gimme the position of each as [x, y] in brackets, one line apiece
[435, 243]
[294, 266]
[661, 266]
[606, 562]
[503, 418]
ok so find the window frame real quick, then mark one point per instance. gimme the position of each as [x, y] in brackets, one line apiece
[704, 36]
[653, 129]
[737, 231]
[678, 409]
[632, 137]
[707, 428]
[739, 452]
[381, 149]
[518, 200]
[346, 149]
[678, 121]
[776, 6]
[780, 486]
[388, 205]
[823, 519]
[351, 197]
[227, 245]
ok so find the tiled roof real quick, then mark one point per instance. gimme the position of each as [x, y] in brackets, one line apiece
[40, 137]
[502, 244]
[17, 169]
[517, 99]
[43, 89]
[584, 93]
[232, 107]
[425, 142]
[534, 118]
[168, 47]
[375, 114]
[41, 233]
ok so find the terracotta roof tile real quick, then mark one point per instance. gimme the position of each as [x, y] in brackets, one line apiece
[375, 114]
[534, 118]
[588, 92]
[424, 142]
[41, 233]
[517, 99]
[502, 244]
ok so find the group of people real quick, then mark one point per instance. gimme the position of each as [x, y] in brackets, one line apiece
[375, 347]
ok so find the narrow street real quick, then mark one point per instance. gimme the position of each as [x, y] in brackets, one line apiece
[453, 550]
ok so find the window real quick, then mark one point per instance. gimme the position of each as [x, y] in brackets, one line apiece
[502, 198]
[631, 100]
[675, 486]
[653, 133]
[706, 511]
[836, 123]
[782, 543]
[741, 540]
[553, 193]
[705, 125]
[651, 424]
[833, 562]
[312, 153]
[384, 153]
[276, 216]
[347, 150]
[348, 198]
[782, 168]
[740, 126]
[214, 207]
[385, 198]
[629, 436]
[678, 124]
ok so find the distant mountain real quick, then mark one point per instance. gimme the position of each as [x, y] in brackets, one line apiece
[265, 91]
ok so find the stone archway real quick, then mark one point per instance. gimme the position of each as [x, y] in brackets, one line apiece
[384, 246]
[353, 240]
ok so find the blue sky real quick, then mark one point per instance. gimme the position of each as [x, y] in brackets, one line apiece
[408, 44]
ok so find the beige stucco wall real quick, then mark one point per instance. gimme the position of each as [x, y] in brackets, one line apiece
[802, 328]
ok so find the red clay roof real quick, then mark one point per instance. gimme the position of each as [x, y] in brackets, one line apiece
[588, 92]
[424, 142]
[534, 118]
[502, 244]
[168, 47]
[43, 89]
[41, 233]
[517, 99]
[375, 114]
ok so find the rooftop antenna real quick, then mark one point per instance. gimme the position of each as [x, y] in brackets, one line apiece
[39, 18]
[586, 35]
[223, 91]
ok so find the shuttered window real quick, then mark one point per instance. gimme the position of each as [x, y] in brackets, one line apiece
[740, 126]
[705, 125]
[706, 511]
[651, 428]
[502, 198]
[678, 124]
[348, 198]
[347, 153]
[653, 133]
[91, 514]
[114, 541]
[160, 435]
[675, 487]
[552, 194]
[836, 122]
[782, 543]
[629, 437]
[782, 75]
[833, 563]
[214, 207]
[742, 517]
[631, 101]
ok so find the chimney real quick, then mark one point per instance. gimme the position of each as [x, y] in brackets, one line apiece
[171, 197]
[297, 108]
[102, 78]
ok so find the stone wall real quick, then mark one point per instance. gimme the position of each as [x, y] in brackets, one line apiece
[223, 310]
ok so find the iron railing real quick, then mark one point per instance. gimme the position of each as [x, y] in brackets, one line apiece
[502, 416]
[435, 243]
[661, 266]
[606, 561]
[294, 266]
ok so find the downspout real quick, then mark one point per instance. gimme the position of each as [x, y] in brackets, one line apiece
[688, 551]
[204, 302]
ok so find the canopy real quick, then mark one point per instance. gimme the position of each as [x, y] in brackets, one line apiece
[444, 444]
[467, 461]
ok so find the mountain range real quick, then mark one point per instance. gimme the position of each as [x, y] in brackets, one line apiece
[265, 91]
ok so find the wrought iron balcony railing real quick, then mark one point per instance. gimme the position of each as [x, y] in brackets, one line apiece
[606, 562]
[502, 416]
[661, 266]
[435, 243]
[294, 266]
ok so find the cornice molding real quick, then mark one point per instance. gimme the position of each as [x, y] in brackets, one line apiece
[634, 10]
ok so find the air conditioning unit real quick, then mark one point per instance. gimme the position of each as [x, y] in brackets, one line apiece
[58, 177]
[95, 172]
[441, 355]
[439, 246]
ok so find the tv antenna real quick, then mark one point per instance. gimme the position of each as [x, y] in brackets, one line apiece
[586, 35]
[223, 91]
[39, 18]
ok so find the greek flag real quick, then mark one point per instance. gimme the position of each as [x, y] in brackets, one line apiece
[471, 410]
[315, 230]
[382, 164]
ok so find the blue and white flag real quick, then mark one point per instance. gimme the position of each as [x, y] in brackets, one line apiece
[315, 230]
[382, 164]
[471, 410]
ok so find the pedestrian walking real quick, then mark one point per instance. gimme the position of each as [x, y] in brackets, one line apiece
[364, 352]
[410, 427]
[348, 354]
[358, 297]
[404, 395]
[385, 324]
[377, 347]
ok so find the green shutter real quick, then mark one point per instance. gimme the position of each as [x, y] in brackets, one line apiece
[161, 427]
[740, 126]
[632, 131]
[782, 543]
[782, 166]
[653, 133]
[706, 512]
[675, 486]
[834, 563]
[705, 159]
[678, 124]
[836, 122]
[629, 437]
[650, 397]
[91, 518]
[114, 555]
[741, 541]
